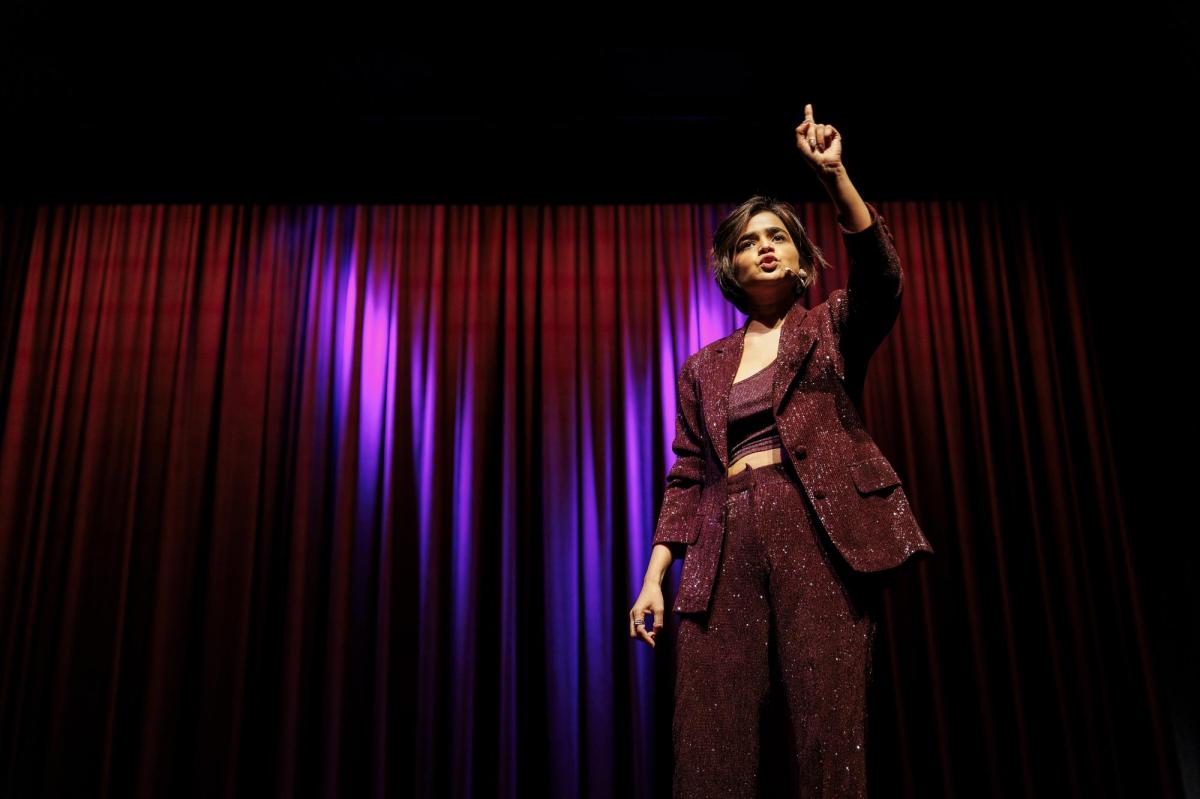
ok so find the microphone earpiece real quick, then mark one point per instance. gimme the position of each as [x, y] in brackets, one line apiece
[797, 275]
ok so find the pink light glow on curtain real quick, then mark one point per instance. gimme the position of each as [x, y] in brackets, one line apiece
[355, 499]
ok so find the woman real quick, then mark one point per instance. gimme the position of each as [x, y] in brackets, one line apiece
[783, 507]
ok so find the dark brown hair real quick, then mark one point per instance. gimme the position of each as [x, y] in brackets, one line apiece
[726, 236]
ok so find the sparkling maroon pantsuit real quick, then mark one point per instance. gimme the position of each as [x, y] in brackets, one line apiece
[787, 614]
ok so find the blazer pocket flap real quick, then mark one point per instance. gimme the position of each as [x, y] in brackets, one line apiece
[873, 474]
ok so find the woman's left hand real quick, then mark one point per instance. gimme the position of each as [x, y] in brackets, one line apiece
[821, 145]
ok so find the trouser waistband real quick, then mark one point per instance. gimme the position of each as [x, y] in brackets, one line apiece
[746, 478]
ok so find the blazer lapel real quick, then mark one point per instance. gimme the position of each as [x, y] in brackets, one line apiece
[795, 341]
[716, 403]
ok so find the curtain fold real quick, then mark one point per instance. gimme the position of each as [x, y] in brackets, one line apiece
[355, 500]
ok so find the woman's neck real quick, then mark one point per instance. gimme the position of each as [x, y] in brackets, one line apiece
[770, 316]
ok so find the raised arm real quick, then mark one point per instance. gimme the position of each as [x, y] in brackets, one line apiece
[864, 312]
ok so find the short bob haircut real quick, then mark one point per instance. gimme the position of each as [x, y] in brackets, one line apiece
[727, 233]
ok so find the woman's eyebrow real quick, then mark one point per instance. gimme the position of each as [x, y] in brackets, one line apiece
[751, 235]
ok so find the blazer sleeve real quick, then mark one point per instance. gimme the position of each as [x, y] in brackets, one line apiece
[864, 312]
[678, 517]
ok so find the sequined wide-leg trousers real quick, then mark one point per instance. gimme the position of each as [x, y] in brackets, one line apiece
[788, 636]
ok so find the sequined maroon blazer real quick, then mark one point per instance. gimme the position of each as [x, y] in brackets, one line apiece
[823, 357]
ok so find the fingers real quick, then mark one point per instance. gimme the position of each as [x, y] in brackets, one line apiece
[639, 630]
[831, 133]
[812, 137]
[803, 132]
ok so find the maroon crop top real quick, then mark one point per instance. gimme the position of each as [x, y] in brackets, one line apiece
[751, 418]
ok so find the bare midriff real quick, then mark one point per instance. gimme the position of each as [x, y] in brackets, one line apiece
[756, 460]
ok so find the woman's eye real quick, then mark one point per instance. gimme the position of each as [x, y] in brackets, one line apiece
[777, 236]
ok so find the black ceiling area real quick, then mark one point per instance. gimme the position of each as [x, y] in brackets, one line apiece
[1006, 105]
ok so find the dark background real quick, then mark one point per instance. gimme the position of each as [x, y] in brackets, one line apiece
[1093, 113]
[932, 104]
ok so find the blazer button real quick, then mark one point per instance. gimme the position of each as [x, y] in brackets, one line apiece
[800, 452]
[819, 493]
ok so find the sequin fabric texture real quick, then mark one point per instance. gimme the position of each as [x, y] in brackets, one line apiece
[785, 612]
[856, 494]
[751, 417]
[780, 562]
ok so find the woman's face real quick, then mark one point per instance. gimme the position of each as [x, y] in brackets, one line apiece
[763, 249]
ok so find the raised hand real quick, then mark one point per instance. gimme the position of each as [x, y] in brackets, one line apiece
[821, 145]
